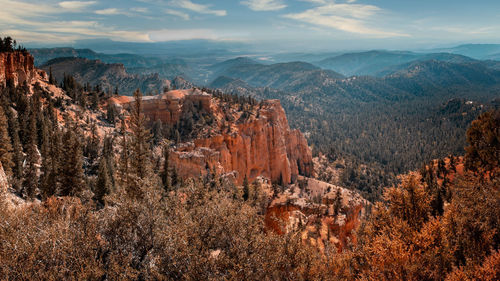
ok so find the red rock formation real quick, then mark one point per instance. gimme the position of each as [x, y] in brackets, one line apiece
[261, 145]
[3, 180]
[18, 67]
[320, 222]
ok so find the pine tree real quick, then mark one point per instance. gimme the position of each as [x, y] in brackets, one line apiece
[94, 101]
[165, 175]
[30, 182]
[246, 189]
[140, 139]
[108, 155]
[17, 169]
[5, 144]
[52, 80]
[157, 132]
[337, 205]
[72, 176]
[111, 113]
[92, 147]
[103, 184]
[45, 185]
[123, 164]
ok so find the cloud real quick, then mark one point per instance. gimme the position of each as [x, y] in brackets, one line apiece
[110, 11]
[199, 8]
[139, 9]
[177, 14]
[347, 17]
[76, 5]
[264, 5]
[30, 22]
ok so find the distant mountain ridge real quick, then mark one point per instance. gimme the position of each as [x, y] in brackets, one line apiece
[108, 76]
[476, 51]
[281, 75]
[43, 55]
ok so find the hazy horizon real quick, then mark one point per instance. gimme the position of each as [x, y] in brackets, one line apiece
[264, 25]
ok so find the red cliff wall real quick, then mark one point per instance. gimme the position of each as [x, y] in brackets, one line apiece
[17, 66]
[263, 145]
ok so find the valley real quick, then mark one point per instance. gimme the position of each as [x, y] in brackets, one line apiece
[176, 164]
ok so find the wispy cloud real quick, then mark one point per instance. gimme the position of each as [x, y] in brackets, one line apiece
[110, 11]
[348, 17]
[264, 5]
[177, 14]
[199, 8]
[139, 9]
[76, 5]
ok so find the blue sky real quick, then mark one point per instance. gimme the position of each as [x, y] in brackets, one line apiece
[287, 24]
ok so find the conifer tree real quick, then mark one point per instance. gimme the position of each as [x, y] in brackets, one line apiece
[337, 205]
[108, 155]
[103, 184]
[30, 182]
[5, 144]
[72, 176]
[165, 175]
[52, 80]
[17, 157]
[45, 187]
[246, 188]
[123, 164]
[111, 113]
[140, 139]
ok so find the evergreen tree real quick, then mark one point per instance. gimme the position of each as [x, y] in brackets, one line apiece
[337, 205]
[94, 101]
[123, 164]
[140, 138]
[18, 158]
[111, 113]
[30, 182]
[5, 144]
[72, 176]
[157, 132]
[46, 189]
[108, 155]
[246, 188]
[92, 147]
[165, 175]
[52, 80]
[103, 184]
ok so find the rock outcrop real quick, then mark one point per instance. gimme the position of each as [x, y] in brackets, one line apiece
[254, 142]
[17, 67]
[325, 213]
[4, 184]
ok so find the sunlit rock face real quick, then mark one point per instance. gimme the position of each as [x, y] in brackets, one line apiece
[3, 180]
[254, 142]
[325, 214]
[17, 67]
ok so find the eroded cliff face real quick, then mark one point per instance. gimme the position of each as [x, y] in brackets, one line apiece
[325, 214]
[17, 67]
[254, 141]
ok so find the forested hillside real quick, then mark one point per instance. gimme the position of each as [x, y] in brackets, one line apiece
[385, 126]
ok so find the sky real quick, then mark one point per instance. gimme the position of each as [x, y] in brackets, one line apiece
[281, 24]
